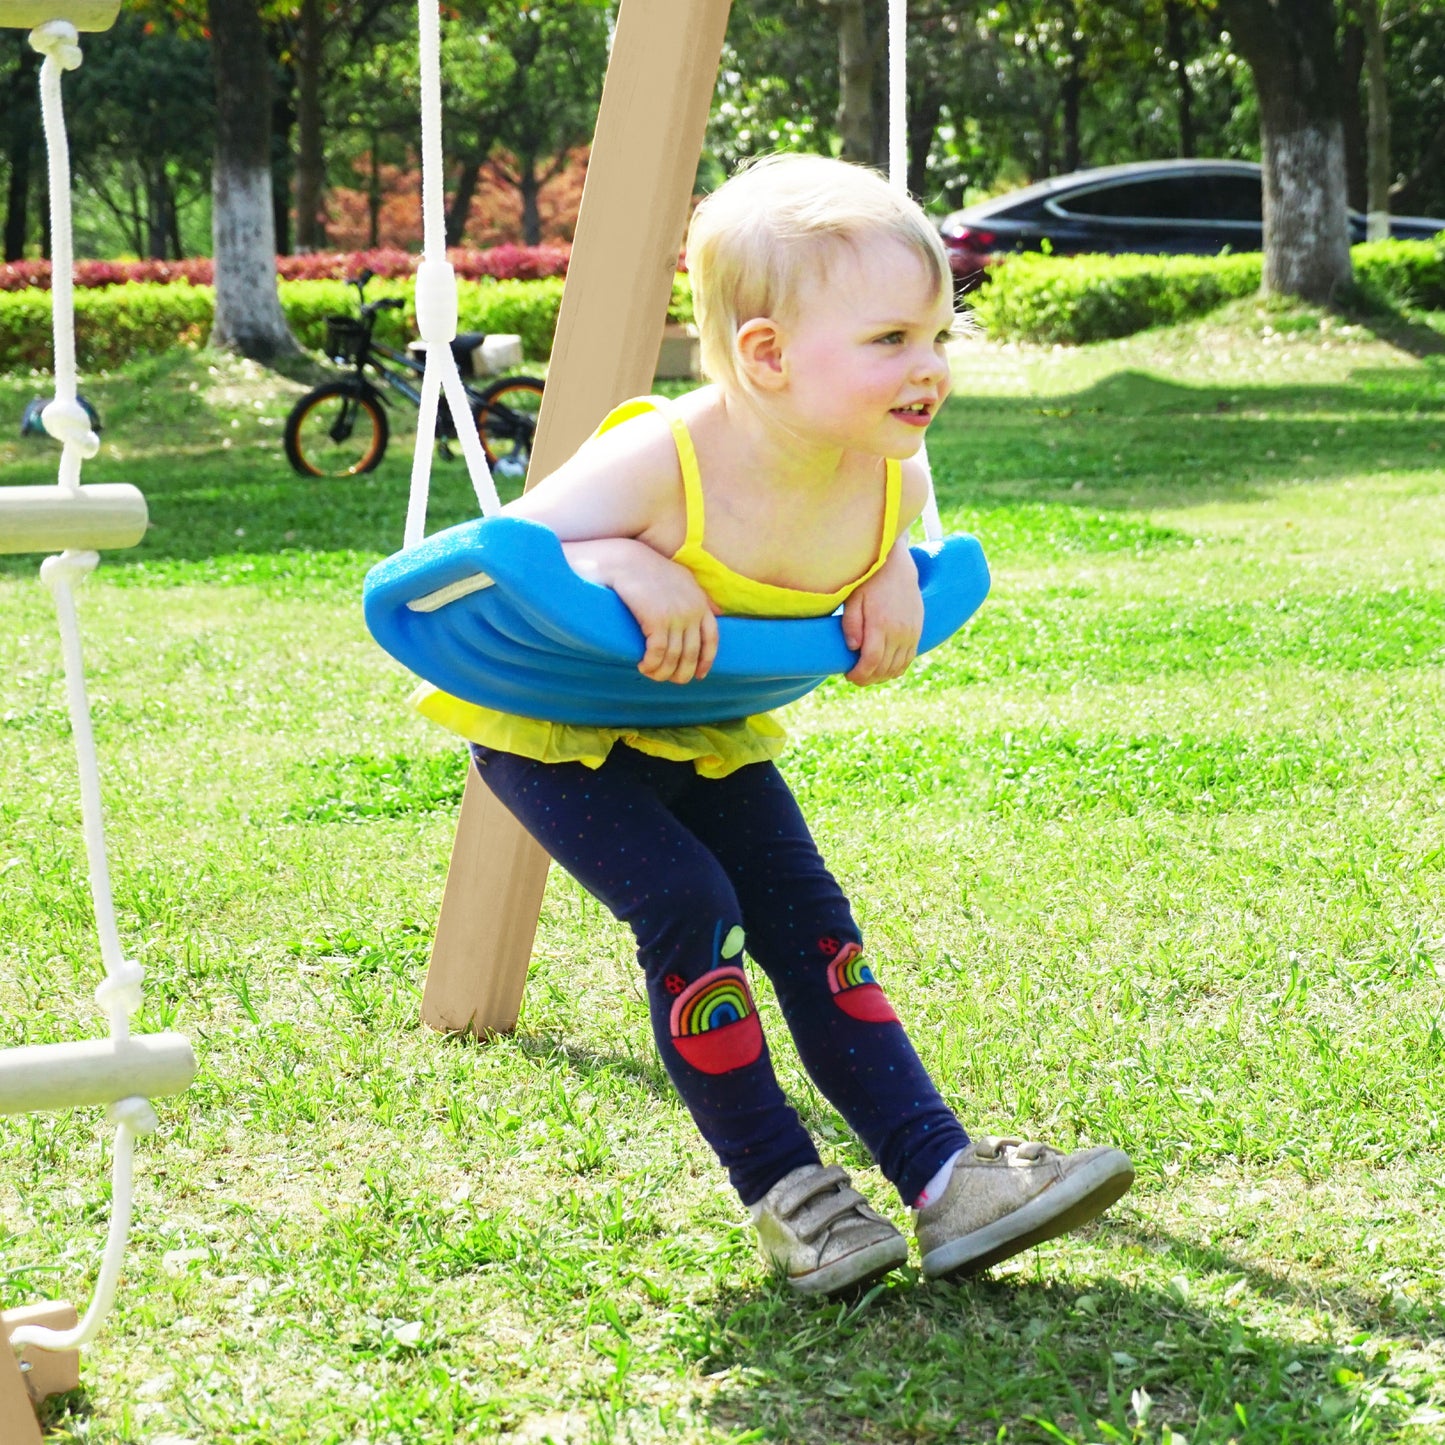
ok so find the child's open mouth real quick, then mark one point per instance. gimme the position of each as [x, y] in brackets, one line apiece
[919, 414]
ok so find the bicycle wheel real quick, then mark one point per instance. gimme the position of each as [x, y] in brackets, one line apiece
[337, 430]
[506, 417]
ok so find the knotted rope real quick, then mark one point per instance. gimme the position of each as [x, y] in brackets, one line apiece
[119, 995]
[436, 304]
[898, 175]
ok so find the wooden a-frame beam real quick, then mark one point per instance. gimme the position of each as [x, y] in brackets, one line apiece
[650, 128]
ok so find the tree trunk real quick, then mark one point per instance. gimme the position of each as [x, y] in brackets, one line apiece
[157, 212]
[1297, 74]
[20, 154]
[374, 195]
[923, 121]
[248, 310]
[528, 186]
[1178, 48]
[461, 204]
[1408, 194]
[17, 198]
[283, 122]
[1072, 96]
[1352, 59]
[855, 82]
[1377, 124]
[310, 159]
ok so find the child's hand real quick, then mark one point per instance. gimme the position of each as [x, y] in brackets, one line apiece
[676, 618]
[883, 619]
[674, 613]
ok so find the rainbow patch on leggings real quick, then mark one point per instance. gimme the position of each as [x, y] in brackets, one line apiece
[855, 990]
[714, 1024]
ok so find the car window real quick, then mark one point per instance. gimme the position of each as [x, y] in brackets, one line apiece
[1171, 198]
[1235, 198]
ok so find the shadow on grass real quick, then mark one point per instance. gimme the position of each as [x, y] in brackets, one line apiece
[593, 1065]
[1397, 327]
[1378, 1316]
[1026, 1359]
[1135, 440]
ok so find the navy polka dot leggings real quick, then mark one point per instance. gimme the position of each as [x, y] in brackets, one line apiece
[701, 869]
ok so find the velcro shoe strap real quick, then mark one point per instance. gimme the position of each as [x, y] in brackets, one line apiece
[811, 1207]
[800, 1191]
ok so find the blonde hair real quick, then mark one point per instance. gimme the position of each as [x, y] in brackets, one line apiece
[761, 235]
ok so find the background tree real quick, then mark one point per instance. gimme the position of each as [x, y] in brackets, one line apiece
[19, 134]
[372, 117]
[1417, 108]
[777, 83]
[315, 41]
[141, 120]
[1292, 46]
[547, 104]
[248, 310]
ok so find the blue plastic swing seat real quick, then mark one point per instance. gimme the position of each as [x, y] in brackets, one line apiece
[492, 613]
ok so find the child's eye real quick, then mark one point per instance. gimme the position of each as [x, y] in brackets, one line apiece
[890, 338]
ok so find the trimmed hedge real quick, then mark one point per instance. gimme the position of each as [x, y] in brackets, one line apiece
[1077, 299]
[112, 324]
[115, 323]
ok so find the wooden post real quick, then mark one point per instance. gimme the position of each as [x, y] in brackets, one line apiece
[650, 127]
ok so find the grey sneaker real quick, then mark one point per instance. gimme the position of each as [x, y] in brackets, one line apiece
[1006, 1196]
[819, 1231]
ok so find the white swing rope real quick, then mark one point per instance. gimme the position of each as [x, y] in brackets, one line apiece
[67, 421]
[436, 285]
[436, 303]
[898, 176]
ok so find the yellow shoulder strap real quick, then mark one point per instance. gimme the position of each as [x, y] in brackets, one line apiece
[686, 457]
[892, 500]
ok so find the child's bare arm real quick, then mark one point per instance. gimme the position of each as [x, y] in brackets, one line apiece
[674, 613]
[614, 506]
[883, 619]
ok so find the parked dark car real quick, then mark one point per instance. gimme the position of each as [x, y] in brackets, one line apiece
[1153, 207]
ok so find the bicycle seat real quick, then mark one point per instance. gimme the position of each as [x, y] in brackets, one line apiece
[490, 612]
[464, 343]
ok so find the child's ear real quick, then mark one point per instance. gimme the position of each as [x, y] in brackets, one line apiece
[760, 353]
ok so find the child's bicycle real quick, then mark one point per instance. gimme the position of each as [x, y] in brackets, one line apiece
[340, 428]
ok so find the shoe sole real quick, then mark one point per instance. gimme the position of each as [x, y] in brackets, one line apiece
[1073, 1201]
[854, 1271]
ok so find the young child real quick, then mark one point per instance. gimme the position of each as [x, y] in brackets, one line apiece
[783, 489]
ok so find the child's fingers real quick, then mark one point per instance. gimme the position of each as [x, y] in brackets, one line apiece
[690, 646]
[707, 645]
[660, 657]
[679, 652]
[870, 656]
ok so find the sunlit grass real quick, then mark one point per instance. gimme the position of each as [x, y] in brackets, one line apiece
[1152, 854]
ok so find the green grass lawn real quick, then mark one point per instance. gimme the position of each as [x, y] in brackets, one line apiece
[1151, 854]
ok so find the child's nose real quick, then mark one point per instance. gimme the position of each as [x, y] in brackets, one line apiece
[931, 365]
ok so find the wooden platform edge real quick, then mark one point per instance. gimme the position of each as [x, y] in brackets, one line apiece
[33, 1375]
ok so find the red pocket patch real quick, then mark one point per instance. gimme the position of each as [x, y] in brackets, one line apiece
[855, 990]
[714, 1024]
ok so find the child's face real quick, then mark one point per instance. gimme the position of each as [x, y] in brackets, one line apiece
[863, 351]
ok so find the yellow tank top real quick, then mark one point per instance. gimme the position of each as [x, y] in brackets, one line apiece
[715, 749]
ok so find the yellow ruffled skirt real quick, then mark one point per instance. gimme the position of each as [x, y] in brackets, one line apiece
[714, 749]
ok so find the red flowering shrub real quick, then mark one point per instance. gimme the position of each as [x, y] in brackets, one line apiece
[505, 263]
